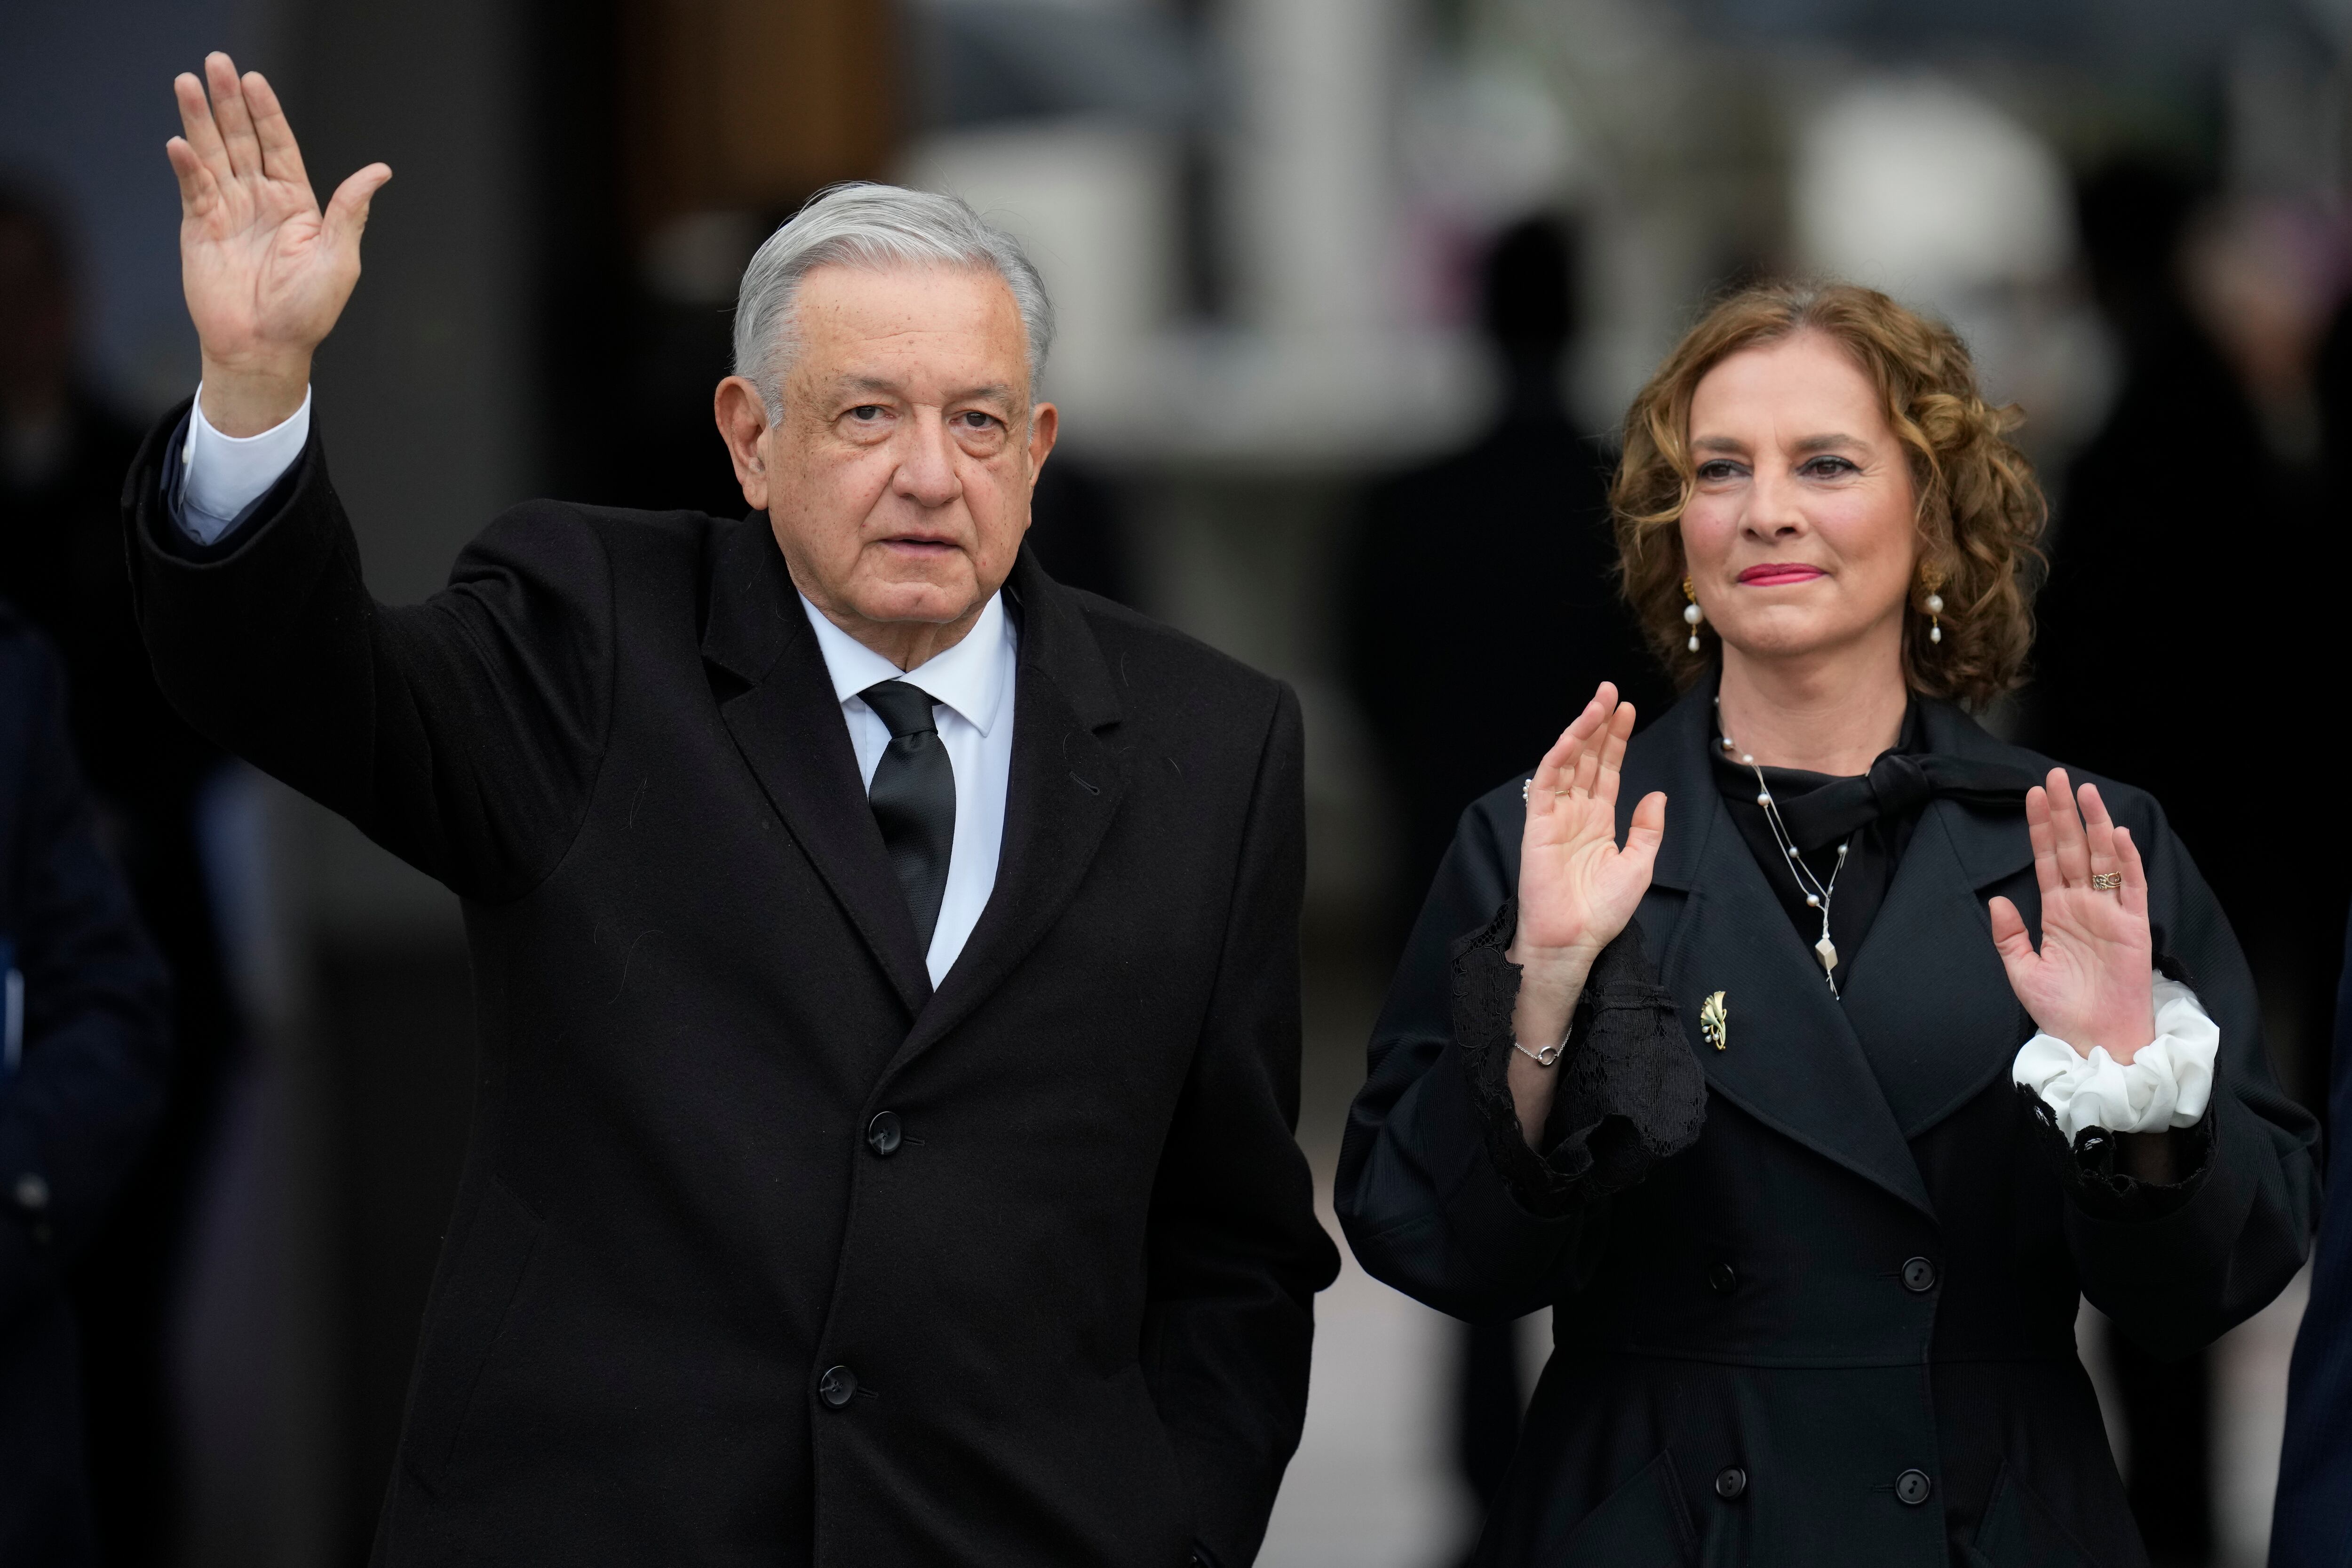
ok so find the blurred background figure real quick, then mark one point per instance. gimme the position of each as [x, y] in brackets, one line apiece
[2142, 579]
[2314, 1518]
[2135, 566]
[1480, 598]
[1266, 226]
[85, 1045]
[63, 452]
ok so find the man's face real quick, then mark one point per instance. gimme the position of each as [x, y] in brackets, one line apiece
[898, 480]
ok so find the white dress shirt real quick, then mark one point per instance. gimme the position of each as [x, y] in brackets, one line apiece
[971, 685]
[226, 474]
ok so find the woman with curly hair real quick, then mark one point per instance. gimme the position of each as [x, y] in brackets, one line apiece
[1812, 1053]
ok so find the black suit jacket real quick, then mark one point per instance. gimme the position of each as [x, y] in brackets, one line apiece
[1066, 1309]
[1867, 1259]
[77, 1110]
[2311, 1525]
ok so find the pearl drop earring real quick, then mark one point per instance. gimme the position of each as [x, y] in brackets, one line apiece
[1932, 580]
[1691, 614]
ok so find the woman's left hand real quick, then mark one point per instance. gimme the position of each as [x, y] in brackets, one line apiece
[2089, 984]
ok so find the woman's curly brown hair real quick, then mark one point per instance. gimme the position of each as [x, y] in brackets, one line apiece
[1980, 509]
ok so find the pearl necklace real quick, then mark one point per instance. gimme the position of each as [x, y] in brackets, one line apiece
[1817, 893]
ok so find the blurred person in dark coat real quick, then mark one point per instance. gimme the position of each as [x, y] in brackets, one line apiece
[2311, 1527]
[1481, 603]
[2146, 580]
[887, 958]
[82, 1066]
[1480, 599]
[63, 456]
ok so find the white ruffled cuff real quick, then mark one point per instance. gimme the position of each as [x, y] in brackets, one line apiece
[2167, 1084]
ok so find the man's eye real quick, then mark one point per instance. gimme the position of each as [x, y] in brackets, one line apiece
[867, 413]
[976, 420]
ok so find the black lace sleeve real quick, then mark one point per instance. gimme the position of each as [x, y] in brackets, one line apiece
[1631, 1093]
[2091, 1172]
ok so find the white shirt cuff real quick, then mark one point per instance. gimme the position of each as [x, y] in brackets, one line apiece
[2167, 1084]
[226, 474]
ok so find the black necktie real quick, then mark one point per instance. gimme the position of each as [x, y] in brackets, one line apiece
[913, 797]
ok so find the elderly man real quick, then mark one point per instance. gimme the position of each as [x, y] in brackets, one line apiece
[886, 956]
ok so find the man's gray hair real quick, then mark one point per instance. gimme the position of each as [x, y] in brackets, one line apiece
[873, 226]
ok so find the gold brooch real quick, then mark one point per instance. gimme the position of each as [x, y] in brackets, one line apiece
[1715, 1022]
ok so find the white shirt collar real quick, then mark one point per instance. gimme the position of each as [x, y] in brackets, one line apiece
[969, 678]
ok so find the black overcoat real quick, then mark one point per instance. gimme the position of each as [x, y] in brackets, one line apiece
[94, 1043]
[765, 1252]
[1867, 1260]
[2311, 1524]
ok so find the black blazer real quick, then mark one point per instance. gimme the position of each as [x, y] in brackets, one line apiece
[95, 1045]
[765, 1252]
[2311, 1525]
[1854, 1253]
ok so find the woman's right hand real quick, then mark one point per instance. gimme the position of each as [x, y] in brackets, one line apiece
[1577, 887]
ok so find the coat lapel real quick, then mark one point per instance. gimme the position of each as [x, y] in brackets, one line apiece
[1793, 1060]
[1930, 996]
[1064, 789]
[788, 725]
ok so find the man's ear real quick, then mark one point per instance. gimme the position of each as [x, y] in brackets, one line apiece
[742, 416]
[1044, 427]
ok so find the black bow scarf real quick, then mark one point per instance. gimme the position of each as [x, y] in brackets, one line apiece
[1875, 811]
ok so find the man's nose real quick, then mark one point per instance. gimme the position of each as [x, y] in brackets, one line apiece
[926, 471]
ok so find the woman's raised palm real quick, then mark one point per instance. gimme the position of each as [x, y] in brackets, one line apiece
[1577, 887]
[2087, 984]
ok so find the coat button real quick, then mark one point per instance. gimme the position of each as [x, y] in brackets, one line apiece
[1731, 1483]
[1918, 1275]
[882, 1133]
[1912, 1487]
[1723, 1280]
[838, 1386]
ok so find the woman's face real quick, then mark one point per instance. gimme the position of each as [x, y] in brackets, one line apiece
[1800, 535]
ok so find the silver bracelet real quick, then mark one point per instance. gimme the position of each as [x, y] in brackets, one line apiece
[1548, 1057]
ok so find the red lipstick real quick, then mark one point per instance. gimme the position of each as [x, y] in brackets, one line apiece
[1776, 574]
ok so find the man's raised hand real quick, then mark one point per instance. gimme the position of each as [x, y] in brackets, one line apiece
[265, 272]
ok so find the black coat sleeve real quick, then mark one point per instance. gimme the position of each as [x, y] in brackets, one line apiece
[1439, 1193]
[96, 1037]
[462, 733]
[1236, 1253]
[2176, 1266]
[2313, 1517]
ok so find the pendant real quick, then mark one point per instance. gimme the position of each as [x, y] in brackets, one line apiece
[1826, 951]
[1715, 1022]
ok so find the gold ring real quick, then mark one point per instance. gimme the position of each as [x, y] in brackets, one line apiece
[2107, 881]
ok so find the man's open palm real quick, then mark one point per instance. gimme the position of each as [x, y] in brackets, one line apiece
[266, 272]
